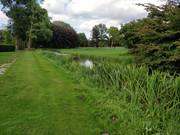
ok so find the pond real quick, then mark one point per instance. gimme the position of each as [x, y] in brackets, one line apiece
[60, 54]
[86, 63]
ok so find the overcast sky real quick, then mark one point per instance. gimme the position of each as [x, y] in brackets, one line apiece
[82, 15]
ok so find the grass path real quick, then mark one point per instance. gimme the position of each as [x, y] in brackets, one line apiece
[37, 97]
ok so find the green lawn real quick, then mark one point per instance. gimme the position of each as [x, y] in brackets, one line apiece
[38, 97]
[7, 56]
[118, 51]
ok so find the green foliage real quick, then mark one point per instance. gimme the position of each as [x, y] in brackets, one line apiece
[99, 34]
[7, 48]
[63, 24]
[114, 36]
[164, 57]
[155, 40]
[41, 33]
[139, 102]
[83, 40]
[6, 37]
[28, 21]
[128, 34]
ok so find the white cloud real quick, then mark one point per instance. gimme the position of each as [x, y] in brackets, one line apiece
[84, 14]
[3, 17]
[3, 20]
[55, 6]
[86, 26]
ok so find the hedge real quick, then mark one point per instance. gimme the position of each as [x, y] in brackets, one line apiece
[7, 48]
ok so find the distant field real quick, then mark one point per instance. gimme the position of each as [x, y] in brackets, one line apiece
[113, 52]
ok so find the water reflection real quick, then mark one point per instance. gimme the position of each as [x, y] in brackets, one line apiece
[87, 63]
[60, 54]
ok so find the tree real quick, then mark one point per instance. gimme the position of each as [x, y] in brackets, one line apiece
[63, 38]
[63, 24]
[83, 40]
[114, 35]
[40, 31]
[23, 19]
[128, 35]
[19, 21]
[95, 35]
[158, 43]
[99, 34]
[6, 37]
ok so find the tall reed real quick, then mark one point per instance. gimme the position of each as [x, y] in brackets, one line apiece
[156, 94]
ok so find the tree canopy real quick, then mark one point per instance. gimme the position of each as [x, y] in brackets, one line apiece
[28, 21]
[99, 34]
[63, 24]
[63, 38]
[83, 42]
[155, 40]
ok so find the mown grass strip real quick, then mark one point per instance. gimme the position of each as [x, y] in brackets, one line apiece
[38, 97]
[6, 57]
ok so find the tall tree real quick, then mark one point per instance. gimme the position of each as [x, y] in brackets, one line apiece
[22, 16]
[19, 20]
[95, 35]
[114, 35]
[83, 40]
[63, 24]
[158, 35]
[39, 32]
[99, 34]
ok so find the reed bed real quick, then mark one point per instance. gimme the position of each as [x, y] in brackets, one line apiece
[128, 99]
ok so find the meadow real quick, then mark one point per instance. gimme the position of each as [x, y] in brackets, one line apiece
[103, 52]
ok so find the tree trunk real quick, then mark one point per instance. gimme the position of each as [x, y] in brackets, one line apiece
[112, 44]
[30, 39]
[17, 42]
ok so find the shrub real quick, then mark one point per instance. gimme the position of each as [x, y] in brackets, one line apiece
[7, 48]
[164, 57]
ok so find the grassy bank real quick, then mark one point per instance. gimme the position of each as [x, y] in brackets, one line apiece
[127, 99]
[6, 57]
[38, 97]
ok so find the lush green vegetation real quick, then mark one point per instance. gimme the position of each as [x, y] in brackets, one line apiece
[127, 99]
[7, 56]
[117, 55]
[110, 52]
[130, 91]
[28, 22]
[155, 40]
[38, 97]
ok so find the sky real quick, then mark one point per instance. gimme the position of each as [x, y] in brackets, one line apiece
[82, 15]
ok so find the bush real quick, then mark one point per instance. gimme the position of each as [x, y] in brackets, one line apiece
[164, 57]
[7, 48]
